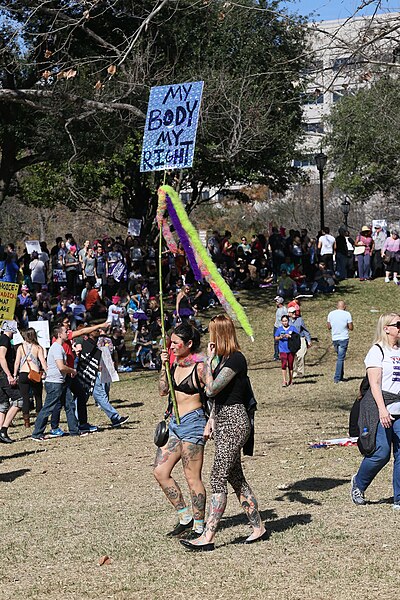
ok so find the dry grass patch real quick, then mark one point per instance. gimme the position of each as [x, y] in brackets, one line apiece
[68, 502]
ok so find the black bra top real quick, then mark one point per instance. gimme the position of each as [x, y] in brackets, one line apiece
[187, 385]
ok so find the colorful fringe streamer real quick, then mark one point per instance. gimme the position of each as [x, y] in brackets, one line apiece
[183, 237]
[168, 197]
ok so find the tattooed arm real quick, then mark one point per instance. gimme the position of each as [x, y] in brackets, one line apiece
[214, 386]
[163, 386]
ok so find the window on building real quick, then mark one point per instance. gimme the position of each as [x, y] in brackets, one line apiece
[337, 95]
[314, 67]
[312, 98]
[313, 127]
[306, 161]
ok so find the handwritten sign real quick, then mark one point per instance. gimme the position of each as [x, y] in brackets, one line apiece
[171, 126]
[8, 300]
[43, 334]
[134, 227]
[33, 246]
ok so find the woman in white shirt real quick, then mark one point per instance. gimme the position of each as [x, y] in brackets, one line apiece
[380, 410]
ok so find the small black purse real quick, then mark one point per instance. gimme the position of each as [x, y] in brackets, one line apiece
[161, 434]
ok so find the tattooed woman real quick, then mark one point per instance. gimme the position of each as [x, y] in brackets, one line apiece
[225, 376]
[186, 440]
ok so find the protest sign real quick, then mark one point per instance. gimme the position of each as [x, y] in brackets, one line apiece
[171, 126]
[33, 246]
[8, 300]
[117, 271]
[108, 373]
[59, 276]
[379, 222]
[134, 227]
[42, 331]
[88, 366]
[203, 236]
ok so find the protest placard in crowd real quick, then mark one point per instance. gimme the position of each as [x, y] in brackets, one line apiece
[171, 126]
[8, 300]
[33, 246]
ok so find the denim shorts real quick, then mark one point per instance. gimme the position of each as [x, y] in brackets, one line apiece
[9, 396]
[191, 428]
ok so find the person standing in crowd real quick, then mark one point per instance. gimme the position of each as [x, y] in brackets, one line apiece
[280, 311]
[305, 338]
[10, 396]
[380, 410]
[89, 267]
[226, 383]
[282, 336]
[379, 236]
[350, 254]
[185, 441]
[341, 254]
[340, 323]
[82, 254]
[57, 371]
[30, 357]
[365, 245]
[391, 251]
[327, 248]
[71, 269]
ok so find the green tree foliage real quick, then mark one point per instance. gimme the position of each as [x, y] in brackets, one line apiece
[76, 85]
[365, 141]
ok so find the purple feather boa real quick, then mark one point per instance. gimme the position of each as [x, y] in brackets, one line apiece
[184, 239]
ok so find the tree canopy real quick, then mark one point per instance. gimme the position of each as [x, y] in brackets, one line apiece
[365, 141]
[74, 84]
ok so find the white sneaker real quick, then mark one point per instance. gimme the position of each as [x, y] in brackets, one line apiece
[387, 279]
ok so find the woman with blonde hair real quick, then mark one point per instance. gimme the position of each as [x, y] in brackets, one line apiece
[379, 420]
[30, 357]
[225, 374]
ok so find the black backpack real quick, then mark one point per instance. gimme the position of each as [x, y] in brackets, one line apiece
[294, 342]
[355, 409]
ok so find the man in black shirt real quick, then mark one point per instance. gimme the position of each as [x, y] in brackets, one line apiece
[10, 396]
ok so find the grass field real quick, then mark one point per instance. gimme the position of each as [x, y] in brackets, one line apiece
[68, 502]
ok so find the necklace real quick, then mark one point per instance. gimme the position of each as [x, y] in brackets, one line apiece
[189, 360]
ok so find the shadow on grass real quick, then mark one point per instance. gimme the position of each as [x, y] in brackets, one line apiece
[22, 454]
[241, 519]
[312, 484]
[307, 381]
[279, 526]
[13, 475]
[382, 501]
[121, 403]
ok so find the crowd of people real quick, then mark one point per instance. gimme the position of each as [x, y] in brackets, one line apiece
[96, 296]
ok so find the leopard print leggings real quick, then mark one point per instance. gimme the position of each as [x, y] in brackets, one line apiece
[232, 428]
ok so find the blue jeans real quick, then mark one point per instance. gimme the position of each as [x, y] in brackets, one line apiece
[341, 265]
[191, 428]
[75, 395]
[371, 465]
[100, 394]
[341, 349]
[363, 261]
[53, 396]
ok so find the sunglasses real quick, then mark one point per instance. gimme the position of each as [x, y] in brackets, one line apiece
[394, 325]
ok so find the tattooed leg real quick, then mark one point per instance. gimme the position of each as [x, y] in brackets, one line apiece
[192, 462]
[166, 459]
[217, 509]
[250, 507]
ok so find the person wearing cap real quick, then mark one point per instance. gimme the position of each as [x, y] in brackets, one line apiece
[116, 313]
[365, 243]
[340, 323]
[379, 236]
[305, 337]
[280, 311]
[10, 396]
[391, 249]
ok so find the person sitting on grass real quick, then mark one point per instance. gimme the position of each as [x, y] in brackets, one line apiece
[144, 353]
[282, 336]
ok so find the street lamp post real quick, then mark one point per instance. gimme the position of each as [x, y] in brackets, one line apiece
[320, 161]
[345, 208]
